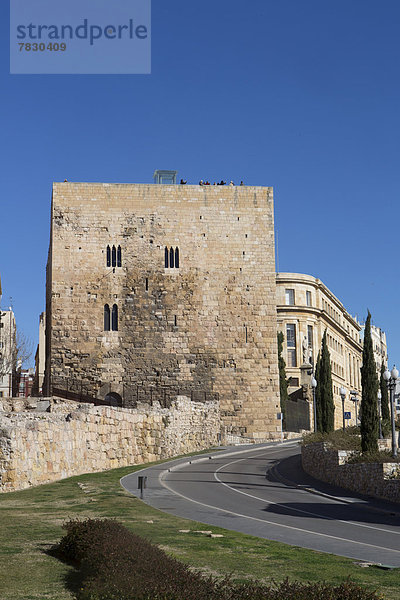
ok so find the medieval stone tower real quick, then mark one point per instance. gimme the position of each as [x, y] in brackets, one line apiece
[159, 290]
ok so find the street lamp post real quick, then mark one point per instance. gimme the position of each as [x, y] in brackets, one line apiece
[314, 385]
[391, 379]
[380, 413]
[342, 392]
[353, 396]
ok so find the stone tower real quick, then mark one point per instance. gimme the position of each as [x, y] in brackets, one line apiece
[156, 290]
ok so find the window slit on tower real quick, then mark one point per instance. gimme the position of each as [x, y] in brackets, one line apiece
[113, 257]
[114, 318]
[106, 317]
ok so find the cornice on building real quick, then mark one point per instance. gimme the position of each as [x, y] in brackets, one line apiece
[322, 315]
[302, 278]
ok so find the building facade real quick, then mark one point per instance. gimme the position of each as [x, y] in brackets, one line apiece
[8, 359]
[306, 308]
[380, 347]
[25, 382]
[40, 357]
[165, 289]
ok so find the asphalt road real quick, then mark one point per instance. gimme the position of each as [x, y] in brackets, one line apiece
[262, 490]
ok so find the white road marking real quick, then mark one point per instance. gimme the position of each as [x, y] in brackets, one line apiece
[231, 512]
[306, 512]
[220, 454]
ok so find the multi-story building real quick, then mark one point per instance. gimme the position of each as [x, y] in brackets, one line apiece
[40, 357]
[7, 352]
[25, 382]
[380, 347]
[306, 308]
[165, 288]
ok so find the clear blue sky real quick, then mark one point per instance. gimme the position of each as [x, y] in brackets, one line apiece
[303, 96]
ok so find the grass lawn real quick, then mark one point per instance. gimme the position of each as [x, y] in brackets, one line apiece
[30, 522]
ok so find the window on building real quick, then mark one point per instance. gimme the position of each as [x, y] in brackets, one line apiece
[308, 298]
[171, 258]
[289, 297]
[114, 256]
[291, 344]
[293, 381]
[310, 342]
[355, 370]
[114, 318]
[350, 373]
[106, 317]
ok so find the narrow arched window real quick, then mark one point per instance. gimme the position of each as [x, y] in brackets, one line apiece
[114, 257]
[119, 257]
[171, 258]
[114, 318]
[108, 256]
[166, 256]
[106, 317]
[177, 258]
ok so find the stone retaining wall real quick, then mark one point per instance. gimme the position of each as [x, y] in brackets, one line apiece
[72, 439]
[372, 479]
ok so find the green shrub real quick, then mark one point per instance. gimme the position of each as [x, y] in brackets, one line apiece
[116, 564]
[384, 456]
[349, 439]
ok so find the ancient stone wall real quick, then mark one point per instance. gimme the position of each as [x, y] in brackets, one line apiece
[372, 479]
[73, 439]
[207, 327]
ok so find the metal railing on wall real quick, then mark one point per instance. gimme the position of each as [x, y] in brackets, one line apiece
[127, 396]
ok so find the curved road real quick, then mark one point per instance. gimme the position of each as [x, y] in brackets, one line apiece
[263, 491]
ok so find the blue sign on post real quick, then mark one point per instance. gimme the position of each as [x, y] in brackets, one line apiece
[347, 415]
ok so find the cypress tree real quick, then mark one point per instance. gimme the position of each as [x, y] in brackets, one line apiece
[325, 389]
[369, 400]
[385, 395]
[318, 404]
[283, 383]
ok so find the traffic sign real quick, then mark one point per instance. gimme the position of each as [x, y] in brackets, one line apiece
[347, 415]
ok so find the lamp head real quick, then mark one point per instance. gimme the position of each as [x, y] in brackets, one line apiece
[342, 392]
